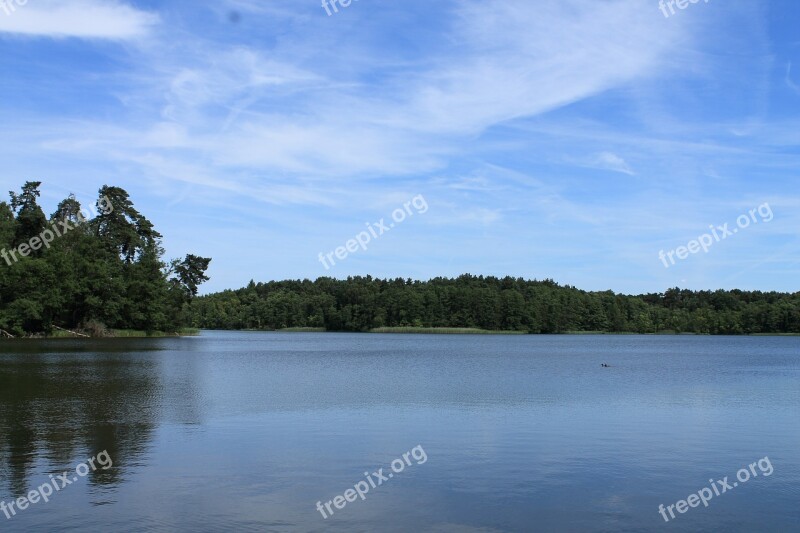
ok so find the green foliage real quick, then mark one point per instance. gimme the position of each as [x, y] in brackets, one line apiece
[190, 273]
[30, 217]
[489, 303]
[121, 227]
[105, 273]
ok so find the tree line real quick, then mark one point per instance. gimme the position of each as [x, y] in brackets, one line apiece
[500, 304]
[74, 271]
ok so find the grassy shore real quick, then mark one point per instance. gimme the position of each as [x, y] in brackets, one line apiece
[446, 331]
[133, 333]
[665, 332]
[115, 334]
[410, 330]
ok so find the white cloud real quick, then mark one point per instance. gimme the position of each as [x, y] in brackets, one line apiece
[524, 59]
[244, 111]
[792, 85]
[85, 19]
[516, 60]
[611, 161]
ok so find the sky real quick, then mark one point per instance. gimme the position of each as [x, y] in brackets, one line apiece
[574, 140]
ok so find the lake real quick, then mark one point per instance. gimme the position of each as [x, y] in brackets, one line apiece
[240, 431]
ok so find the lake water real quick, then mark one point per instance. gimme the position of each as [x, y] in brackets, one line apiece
[236, 431]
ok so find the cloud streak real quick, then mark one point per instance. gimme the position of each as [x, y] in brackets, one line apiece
[521, 123]
[83, 19]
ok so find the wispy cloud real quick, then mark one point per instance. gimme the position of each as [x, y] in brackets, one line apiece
[514, 62]
[611, 161]
[519, 121]
[792, 85]
[85, 19]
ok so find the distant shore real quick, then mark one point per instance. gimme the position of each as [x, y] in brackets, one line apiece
[110, 334]
[193, 332]
[478, 331]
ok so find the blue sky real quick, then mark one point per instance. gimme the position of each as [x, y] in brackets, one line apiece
[564, 139]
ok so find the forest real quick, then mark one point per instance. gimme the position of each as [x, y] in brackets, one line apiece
[490, 303]
[105, 273]
[91, 275]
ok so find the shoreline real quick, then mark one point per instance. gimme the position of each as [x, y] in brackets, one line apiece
[193, 332]
[478, 331]
[112, 334]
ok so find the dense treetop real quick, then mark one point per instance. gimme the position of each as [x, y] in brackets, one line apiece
[72, 271]
[512, 304]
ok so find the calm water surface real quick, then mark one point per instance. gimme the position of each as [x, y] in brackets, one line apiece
[248, 431]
